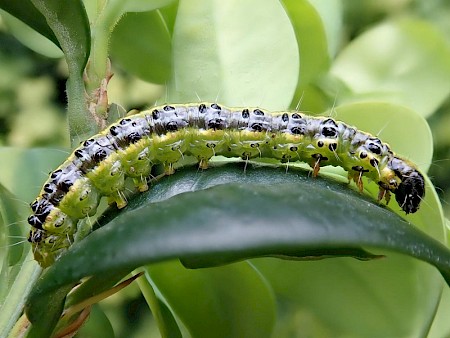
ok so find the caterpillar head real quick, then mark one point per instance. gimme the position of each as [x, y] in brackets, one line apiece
[410, 191]
[411, 188]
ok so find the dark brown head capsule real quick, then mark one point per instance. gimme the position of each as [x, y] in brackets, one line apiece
[411, 189]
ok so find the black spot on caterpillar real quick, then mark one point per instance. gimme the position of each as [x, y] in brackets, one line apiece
[131, 146]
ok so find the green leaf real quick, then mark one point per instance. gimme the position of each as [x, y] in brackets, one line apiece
[148, 57]
[235, 60]
[273, 212]
[17, 176]
[313, 49]
[331, 13]
[97, 323]
[30, 37]
[12, 235]
[44, 322]
[405, 61]
[311, 38]
[391, 297]
[230, 301]
[70, 24]
[145, 5]
[147, 54]
[168, 15]
[441, 325]
[25, 11]
[94, 286]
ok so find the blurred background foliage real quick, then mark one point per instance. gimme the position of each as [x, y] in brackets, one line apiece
[33, 106]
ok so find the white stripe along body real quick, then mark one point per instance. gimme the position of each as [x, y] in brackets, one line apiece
[129, 148]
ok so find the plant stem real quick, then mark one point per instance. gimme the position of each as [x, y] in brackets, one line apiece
[152, 301]
[80, 121]
[110, 13]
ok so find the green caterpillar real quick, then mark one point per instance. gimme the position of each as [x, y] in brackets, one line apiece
[129, 148]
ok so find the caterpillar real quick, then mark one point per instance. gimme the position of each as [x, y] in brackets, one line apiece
[131, 146]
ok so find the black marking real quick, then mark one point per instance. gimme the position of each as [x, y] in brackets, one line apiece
[168, 108]
[374, 162]
[35, 236]
[171, 126]
[57, 197]
[114, 130]
[202, 109]
[216, 124]
[329, 132]
[258, 112]
[296, 116]
[124, 122]
[245, 114]
[79, 153]
[319, 157]
[56, 173]
[88, 142]
[49, 188]
[133, 137]
[330, 128]
[332, 146]
[296, 130]
[99, 155]
[320, 144]
[216, 106]
[285, 117]
[374, 145]
[256, 127]
[34, 205]
[155, 114]
[35, 222]
[363, 155]
[359, 168]
[65, 185]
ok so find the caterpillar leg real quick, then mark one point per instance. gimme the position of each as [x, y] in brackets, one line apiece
[356, 176]
[383, 193]
[141, 183]
[169, 169]
[118, 198]
[203, 164]
[316, 164]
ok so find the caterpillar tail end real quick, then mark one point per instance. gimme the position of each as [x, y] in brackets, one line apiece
[48, 247]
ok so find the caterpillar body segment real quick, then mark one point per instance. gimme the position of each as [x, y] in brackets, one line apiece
[163, 135]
